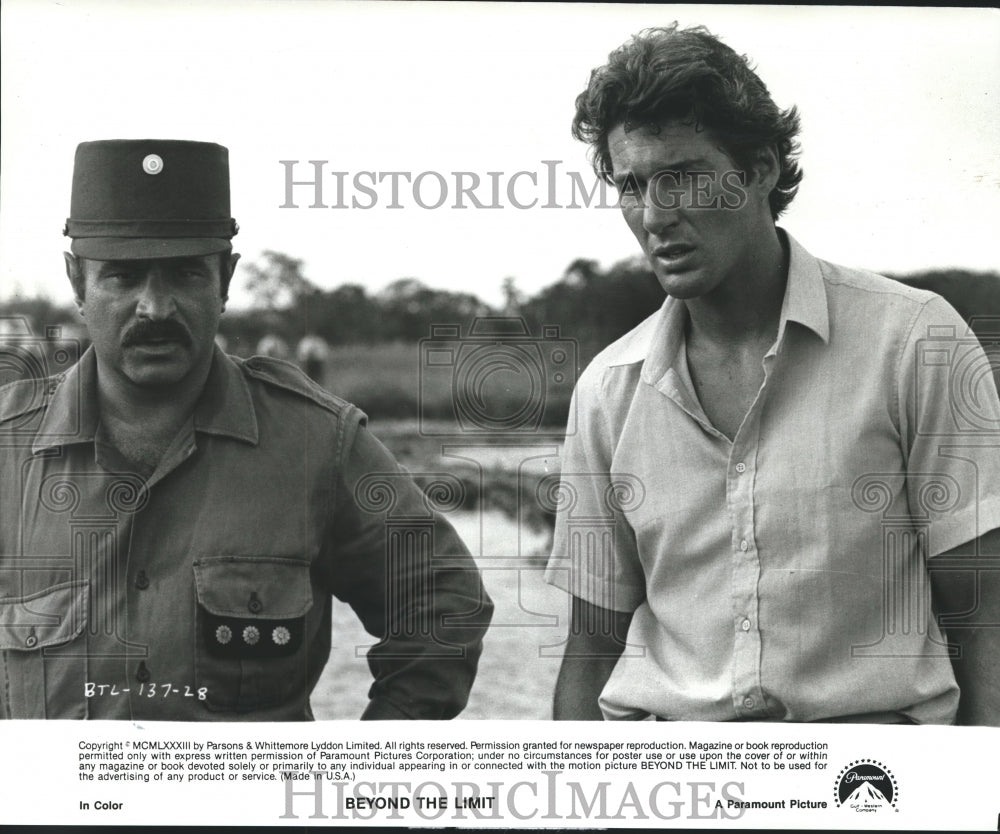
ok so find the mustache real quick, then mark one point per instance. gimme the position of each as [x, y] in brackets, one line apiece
[145, 330]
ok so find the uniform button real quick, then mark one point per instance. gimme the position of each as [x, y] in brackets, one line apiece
[745, 625]
[31, 640]
[141, 580]
[255, 606]
[142, 673]
[744, 545]
[749, 702]
[741, 468]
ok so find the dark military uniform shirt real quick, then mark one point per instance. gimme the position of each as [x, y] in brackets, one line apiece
[203, 590]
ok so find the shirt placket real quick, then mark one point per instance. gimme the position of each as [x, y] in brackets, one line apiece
[748, 694]
[147, 666]
[109, 646]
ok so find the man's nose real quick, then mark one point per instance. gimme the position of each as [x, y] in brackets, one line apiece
[661, 210]
[156, 296]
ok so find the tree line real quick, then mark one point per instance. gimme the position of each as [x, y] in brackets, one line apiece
[590, 303]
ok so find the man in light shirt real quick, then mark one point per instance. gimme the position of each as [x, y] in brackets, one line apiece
[783, 482]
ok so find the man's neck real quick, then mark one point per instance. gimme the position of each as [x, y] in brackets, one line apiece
[141, 421]
[747, 307]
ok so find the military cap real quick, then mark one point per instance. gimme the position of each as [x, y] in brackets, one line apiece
[150, 198]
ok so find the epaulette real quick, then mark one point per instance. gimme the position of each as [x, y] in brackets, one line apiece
[24, 396]
[290, 377]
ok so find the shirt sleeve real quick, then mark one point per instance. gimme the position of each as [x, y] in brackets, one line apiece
[411, 581]
[950, 426]
[594, 555]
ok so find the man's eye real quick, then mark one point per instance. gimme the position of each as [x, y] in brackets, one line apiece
[629, 190]
[191, 272]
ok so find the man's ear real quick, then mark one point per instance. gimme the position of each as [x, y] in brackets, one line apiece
[74, 271]
[766, 169]
[234, 259]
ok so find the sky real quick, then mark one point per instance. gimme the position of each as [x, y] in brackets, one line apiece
[900, 110]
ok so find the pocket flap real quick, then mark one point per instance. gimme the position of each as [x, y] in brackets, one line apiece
[50, 617]
[268, 587]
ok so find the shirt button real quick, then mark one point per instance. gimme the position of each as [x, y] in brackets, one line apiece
[749, 702]
[741, 468]
[744, 545]
[31, 641]
[255, 606]
[142, 673]
[141, 580]
[745, 625]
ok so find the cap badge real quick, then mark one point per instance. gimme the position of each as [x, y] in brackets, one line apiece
[152, 164]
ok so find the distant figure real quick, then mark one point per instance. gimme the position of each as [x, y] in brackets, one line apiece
[274, 347]
[312, 354]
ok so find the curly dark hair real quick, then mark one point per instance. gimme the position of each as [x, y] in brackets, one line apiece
[669, 73]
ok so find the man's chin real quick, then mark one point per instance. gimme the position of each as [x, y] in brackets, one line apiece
[684, 285]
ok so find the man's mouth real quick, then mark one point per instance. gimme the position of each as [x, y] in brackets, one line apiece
[673, 250]
[673, 253]
[154, 341]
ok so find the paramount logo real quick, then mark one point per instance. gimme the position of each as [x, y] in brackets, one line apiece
[866, 786]
[866, 798]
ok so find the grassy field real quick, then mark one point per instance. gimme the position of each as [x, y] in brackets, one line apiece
[501, 524]
[397, 381]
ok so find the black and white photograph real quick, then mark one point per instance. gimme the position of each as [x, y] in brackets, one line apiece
[590, 390]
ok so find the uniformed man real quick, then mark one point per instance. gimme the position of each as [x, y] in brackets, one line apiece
[772, 473]
[174, 521]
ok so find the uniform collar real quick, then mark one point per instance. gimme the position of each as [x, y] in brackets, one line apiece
[71, 412]
[225, 407]
[804, 303]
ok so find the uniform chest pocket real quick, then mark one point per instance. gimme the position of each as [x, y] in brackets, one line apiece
[44, 652]
[251, 630]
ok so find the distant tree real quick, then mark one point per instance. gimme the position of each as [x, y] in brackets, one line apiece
[39, 311]
[409, 308]
[513, 298]
[276, 281]
[345, 315]
[596, 306]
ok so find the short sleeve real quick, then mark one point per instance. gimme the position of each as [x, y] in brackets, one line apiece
[594, 555]
[950, 427]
